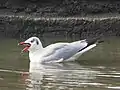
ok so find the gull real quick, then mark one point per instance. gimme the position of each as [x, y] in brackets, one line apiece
[57, 52]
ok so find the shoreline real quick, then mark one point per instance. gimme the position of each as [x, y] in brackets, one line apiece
[24, 27]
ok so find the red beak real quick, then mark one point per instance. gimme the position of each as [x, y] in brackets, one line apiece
[21, 43]
[27, 46]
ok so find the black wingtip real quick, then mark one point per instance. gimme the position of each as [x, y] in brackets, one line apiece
[91, 41]
[94, 40]
[100, 41]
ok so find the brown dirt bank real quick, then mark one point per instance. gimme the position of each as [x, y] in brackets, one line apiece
[24, 27]
[59, 7]
[40, 17]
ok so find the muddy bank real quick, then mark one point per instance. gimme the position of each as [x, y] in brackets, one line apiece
[41, 17]
[53, 8]
[24, 27]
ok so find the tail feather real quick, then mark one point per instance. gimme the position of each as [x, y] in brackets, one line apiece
[100, 41]
[92, 42]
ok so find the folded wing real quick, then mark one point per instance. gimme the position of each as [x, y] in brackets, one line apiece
[63, 50]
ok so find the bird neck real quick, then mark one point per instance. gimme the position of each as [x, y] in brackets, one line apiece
[35, 52]
[36, 49]
[34, 55]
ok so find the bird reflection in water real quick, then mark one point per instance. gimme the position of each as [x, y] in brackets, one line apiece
[57, 76]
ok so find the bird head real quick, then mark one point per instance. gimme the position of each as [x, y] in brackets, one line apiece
[31, 44]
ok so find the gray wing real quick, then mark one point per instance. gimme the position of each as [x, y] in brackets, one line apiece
[65, 51]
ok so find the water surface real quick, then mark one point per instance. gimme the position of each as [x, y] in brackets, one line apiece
[97, 69]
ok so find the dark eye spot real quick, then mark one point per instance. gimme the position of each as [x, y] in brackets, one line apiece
[32, 40]
[37, 42]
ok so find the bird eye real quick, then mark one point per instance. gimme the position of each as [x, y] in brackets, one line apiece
[37, 42]
[32, 40]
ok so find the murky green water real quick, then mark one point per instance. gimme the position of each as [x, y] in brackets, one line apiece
[98, 69]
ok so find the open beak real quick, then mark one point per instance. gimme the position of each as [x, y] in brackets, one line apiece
[27, 46]
[21, 43]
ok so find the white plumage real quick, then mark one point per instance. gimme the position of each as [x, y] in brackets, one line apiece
[58, 52]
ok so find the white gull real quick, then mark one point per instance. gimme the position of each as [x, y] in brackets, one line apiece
[58, 52]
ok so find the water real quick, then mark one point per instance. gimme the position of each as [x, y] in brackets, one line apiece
[97, 69]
